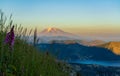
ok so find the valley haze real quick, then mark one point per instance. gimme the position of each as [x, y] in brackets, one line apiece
[53, 33]
[55, 37]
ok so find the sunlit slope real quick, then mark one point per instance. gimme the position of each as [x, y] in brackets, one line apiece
[113, 46]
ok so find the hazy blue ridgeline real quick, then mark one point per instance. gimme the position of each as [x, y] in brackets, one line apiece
[88, 61]
[78, 52]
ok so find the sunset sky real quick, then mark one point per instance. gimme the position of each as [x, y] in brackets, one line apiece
[82, 17]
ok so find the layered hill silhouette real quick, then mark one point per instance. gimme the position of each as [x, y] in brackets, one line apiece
[58, 36]
[92, 43]
[77, 51]
[82, 42]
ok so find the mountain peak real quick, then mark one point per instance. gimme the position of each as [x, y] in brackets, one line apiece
[52, 31]
[49, 29]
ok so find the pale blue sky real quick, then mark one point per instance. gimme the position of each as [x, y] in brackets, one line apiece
[77, 16]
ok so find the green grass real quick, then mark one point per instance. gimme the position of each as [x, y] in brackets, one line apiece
[25, 60]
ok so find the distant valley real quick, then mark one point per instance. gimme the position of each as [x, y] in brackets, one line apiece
[58, 36]
[83, 55]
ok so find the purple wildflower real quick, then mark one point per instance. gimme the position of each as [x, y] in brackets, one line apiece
[10, 38]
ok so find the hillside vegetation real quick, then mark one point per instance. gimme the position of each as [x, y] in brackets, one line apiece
[24, 59]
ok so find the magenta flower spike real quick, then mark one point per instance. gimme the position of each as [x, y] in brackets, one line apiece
[10, 38]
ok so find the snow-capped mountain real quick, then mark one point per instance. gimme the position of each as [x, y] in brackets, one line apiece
[50, 34]
[54, 32]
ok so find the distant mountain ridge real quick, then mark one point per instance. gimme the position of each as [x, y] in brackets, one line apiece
[113, 46]
[92, 43]
[82, 42]
[77, 51]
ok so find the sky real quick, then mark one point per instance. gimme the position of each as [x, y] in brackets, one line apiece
[97, 18]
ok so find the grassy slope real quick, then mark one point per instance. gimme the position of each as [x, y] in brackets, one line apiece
[25, 60]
